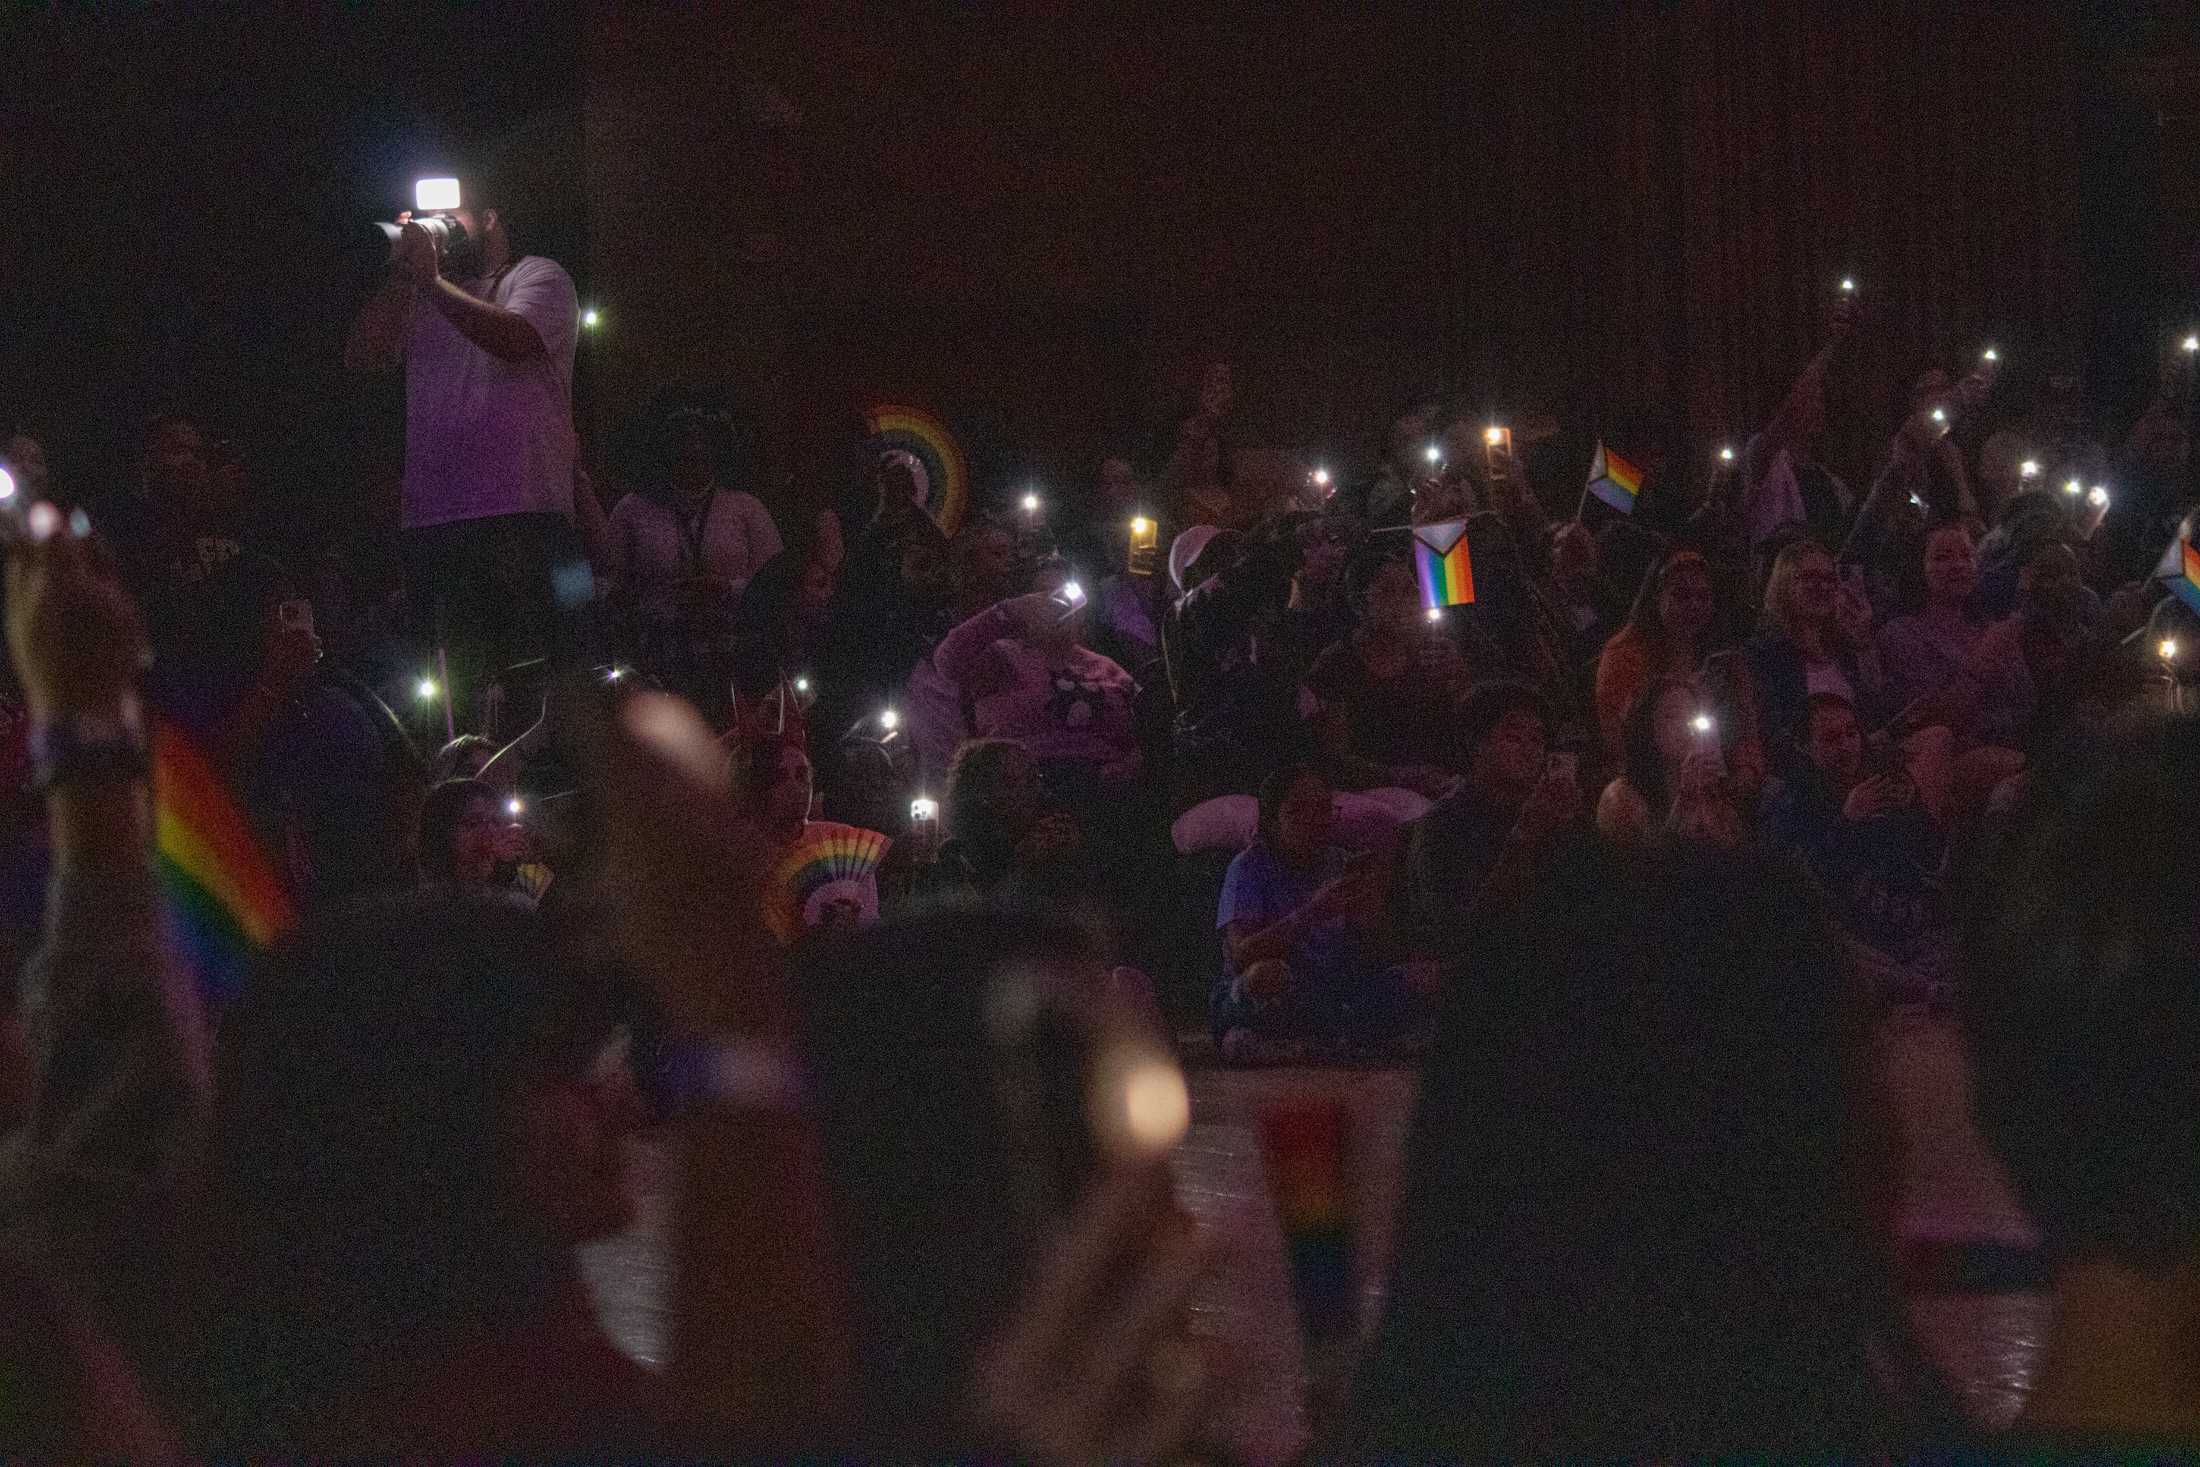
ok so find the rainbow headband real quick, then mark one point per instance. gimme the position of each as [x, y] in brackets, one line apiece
[224, 895]
[918, 433]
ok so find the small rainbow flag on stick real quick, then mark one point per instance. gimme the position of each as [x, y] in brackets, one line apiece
[227, 900]
[1614, 480]
[1440, 559]
[2185, 584]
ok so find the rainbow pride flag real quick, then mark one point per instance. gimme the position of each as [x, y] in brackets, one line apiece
[1306, 1150]
[925, 437]
[1614, 480]
[1440, 559]
[225, 898]
[2185, 585]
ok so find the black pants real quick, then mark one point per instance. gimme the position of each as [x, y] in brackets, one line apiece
[481, 590]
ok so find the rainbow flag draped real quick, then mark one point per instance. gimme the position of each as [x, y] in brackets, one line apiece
[925, 437]
[225, 898]
[2185, 585]
[1614, 480]
[1441, 561]
[827, 863]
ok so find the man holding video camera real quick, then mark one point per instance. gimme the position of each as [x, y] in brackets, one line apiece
[487, 337]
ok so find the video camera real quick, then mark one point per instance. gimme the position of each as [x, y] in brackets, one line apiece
[434, 200]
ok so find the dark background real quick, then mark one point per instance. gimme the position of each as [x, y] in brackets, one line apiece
[1039, 219]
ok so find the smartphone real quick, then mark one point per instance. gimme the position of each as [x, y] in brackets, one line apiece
[1070, 597]
[1497, 444]
[924, 826]
[1145, 545]
[296, 614]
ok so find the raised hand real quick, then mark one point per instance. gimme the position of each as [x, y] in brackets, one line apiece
[77, 639]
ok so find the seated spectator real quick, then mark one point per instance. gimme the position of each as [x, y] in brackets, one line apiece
[1030, 679]
[1477, 851]
[889, 593]
[1673, 774]
[2082, 999]
[1816, 638]
[1630, 1227]
[1581, 601]
[462, 758]
[982, 569]
[2029, 665]
[680, 552]
[779, 629]
[1872, 842]
[1386, 699]
[1924, 650]
[471, 839]
[1303, 970]
[1667, 636]
[1509, 633]
[1235, 684]
[232, 630]
[1002, 838]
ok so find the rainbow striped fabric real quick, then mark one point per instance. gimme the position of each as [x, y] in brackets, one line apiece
[226, 900]
[1614, 480]
[2186, 584]
[916, 432]
[826, 863]
[1441, 561]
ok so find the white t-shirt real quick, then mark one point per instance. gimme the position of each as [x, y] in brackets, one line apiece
[487, 437]
[650, 549]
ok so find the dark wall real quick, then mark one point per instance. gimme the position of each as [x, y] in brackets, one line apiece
[1039, 218]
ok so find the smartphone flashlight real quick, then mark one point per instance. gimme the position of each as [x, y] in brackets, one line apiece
[7, 485]
[427, 689]
[515, 807]
[889, 720]
[435, 195]
[1702, 725]
[2029, 469]
[1031, 504]
[591, 318]
[1321, 478]
[1940, 415]
[1145, 534]
[923, 811]
[1989, 355]
[1436, 613]
[2098, 498]
[2167, 647]
[2192, 344]
[1069, 596]
[1433, 454]
[613, 674]
[2073, 488]
[1848, 286]
[1726, 453]
[801, 685]
[1915, 502]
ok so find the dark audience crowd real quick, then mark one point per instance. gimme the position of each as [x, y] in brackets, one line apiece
[857, 849]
